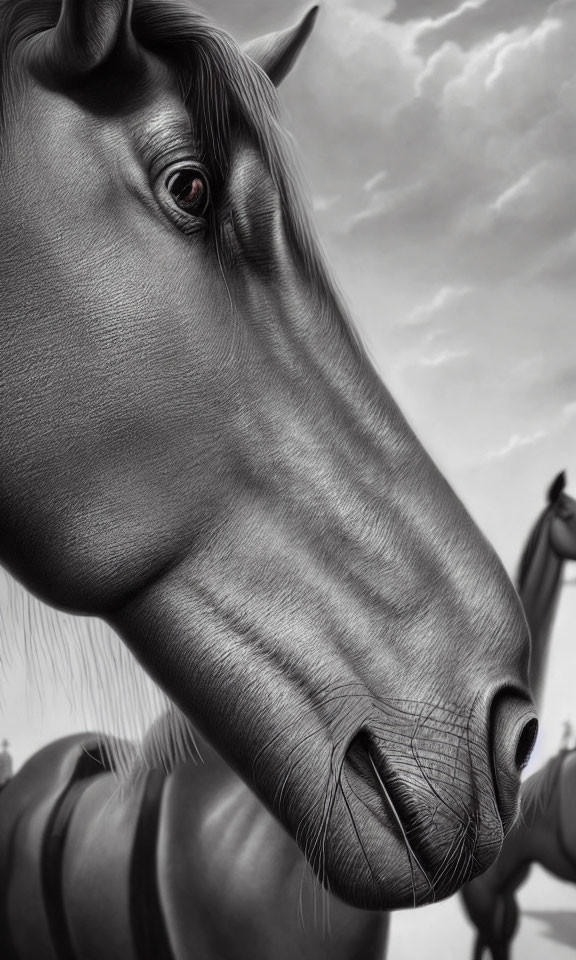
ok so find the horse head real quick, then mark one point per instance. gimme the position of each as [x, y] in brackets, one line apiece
[563, 525]
[195, 447]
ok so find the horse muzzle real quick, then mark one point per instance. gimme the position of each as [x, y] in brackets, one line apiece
[422, 807]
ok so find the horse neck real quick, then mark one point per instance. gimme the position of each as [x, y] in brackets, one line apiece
[539, 595]
[523, 844]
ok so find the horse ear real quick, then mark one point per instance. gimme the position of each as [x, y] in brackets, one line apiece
[276, 53]
[86, 34]
[557, 487]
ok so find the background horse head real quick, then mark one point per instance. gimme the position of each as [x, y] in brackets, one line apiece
[195, 447]
[551, 543]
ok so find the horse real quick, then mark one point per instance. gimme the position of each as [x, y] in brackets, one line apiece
[489, 899]
[551, 543]
[545, 833]
[196, 448]
[179, 862]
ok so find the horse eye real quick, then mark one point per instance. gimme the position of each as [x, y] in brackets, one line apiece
[189, 190]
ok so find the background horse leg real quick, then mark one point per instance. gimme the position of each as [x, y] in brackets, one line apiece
[479, 948]
[510, 924]
[508, 916]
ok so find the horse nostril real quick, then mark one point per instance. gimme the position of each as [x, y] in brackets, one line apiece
[526, 742]
[513, 734]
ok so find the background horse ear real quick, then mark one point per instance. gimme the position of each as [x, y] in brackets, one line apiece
[557, 487]
[276, 53]
[86, 34]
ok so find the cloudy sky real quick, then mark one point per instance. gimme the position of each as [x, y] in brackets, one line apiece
[439, 141]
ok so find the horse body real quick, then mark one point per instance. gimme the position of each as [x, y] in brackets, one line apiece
[172, 866]
[195, 447]
[544, 834]
[29, 804]
[221, 851]
[96, 871]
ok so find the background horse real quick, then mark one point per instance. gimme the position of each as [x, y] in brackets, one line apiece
[548, 796]
[173, 865]
[545, 833]
[195, 447]
[551, 543]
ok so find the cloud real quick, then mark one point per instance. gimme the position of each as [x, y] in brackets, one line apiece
[384, 203]
[428, 25]
[473, 23]
[408, 10]
[323, 204]
[516, 442]
[375, 181]
[444, 297]
[479, 159]
[526, 45]
[515, 195]
[443, 358]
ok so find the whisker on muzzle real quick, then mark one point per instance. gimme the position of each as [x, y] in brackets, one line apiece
[412, 858]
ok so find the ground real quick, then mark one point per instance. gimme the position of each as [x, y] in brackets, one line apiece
[441, 932]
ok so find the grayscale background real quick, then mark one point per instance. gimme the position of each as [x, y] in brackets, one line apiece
[439, 144]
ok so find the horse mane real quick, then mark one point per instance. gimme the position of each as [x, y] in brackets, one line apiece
[539, 790]
[222, 88]
[89, 666]
[84, 659]
[170, 740]
[530, 550]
